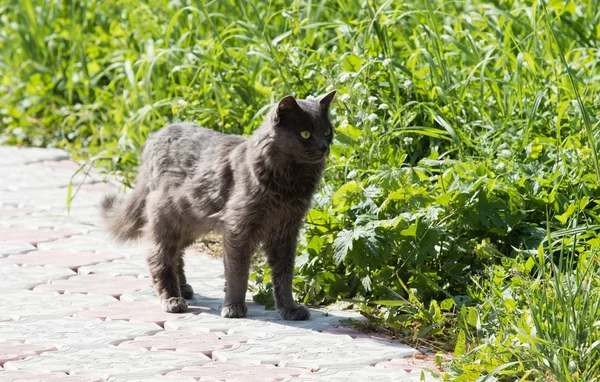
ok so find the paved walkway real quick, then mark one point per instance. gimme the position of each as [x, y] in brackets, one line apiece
[75, 306]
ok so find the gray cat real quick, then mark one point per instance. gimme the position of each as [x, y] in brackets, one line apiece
[254, 191]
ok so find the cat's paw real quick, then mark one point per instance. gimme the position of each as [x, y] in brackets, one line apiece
[186, 291]
[174, 305]
[297, 313]
[234, 311]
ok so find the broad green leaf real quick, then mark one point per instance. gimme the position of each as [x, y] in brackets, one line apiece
[342, 194]
[461, 344]
[351, 63]
[509, 304]
[473, 317]
[568, 213]
[447, 304]
[410, 231]
[529, 264]
[434, 311]
[315, 244]
[342, 244]
[445, 198]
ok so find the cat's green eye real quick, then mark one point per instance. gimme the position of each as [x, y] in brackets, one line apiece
[327, 132]
[305, 134]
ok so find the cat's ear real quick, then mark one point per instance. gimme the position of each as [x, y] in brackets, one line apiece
[326, 99]
[287, 105]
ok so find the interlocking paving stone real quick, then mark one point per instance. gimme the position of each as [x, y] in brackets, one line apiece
[368, 374]
[146, 295]
[14, 350]
[301, 336]
[212, 323]
[143, 377]
[12, 156]
[186, 341]
[7, 249]
[398, 363]
[88, 216]
[21, 235]
[261, 323]
[107, 361]
[28, 303]
[207, 303]
[26, 376]
[100, 187]
[345, 331]
[204, 266]
[65, 331]
[213, 303]
[50, 202]
[16, 277]
[61, 165]
[207, 289]
[319, 320]
[313, 353]
[239, 371]
[48, 219]
[95, 241]
[72, 260]
[97, 284]
[125, 267]
[138, 311]
[11, 212]
[108, 339]
[45, 177]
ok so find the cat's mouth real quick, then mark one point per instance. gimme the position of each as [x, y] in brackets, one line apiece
[317, 158]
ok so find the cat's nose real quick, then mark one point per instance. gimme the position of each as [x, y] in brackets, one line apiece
[323, 148]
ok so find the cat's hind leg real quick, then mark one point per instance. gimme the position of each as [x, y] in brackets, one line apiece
[165, 254]
[164, 277]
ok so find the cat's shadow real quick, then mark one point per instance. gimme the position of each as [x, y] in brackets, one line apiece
[319, 320]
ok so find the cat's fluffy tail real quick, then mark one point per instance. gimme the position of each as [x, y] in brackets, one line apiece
[125, 218]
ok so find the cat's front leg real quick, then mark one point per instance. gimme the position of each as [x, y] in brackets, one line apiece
[281, 254]
[237, 253]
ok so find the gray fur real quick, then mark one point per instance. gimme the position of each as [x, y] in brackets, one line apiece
[254, 191]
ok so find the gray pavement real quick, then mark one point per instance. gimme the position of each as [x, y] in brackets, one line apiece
[76, 306]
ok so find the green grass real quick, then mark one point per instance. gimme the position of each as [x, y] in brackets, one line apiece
[541, 325]
[460, 203]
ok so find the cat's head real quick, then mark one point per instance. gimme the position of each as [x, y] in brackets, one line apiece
[302, 130]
